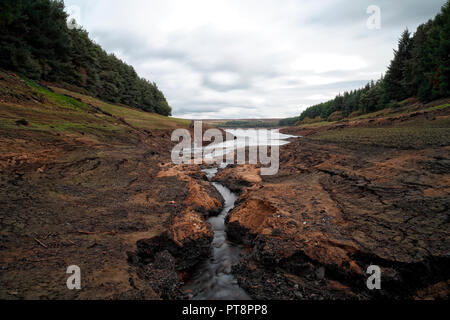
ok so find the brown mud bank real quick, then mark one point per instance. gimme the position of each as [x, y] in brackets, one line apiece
[166, 260]
[75, 201]
[332, 211]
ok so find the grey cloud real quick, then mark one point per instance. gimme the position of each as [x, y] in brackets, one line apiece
[342, 12]
[241, 84]
[342, 86]
[258, 45]
[134, 47]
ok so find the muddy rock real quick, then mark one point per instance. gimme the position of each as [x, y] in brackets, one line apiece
[188, 236]
[188, 240]
[162, 275]
[237, 178]
[201, 197]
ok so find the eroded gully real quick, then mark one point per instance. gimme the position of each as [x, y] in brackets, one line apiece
[212, 280]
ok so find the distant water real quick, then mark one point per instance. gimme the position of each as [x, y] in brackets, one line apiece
[246, 138]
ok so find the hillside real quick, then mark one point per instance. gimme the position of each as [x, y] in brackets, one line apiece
[242, 123]
[38, 42]
[76, 177]
[51, 109]
[415, 126]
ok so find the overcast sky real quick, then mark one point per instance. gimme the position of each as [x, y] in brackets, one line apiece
[251, 58]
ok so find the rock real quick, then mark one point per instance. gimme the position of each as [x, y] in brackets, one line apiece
[162, 276]
[187, 239]
[22, 122]
[320, 273]
[237, 178]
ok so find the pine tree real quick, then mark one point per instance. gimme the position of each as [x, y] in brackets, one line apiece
[441, 88]
[394, 84]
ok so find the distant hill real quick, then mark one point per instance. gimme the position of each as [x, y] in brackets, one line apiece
[36, 42]
[243, 123]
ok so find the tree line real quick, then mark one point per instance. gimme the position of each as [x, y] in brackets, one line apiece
[420, 68]
[35, 41]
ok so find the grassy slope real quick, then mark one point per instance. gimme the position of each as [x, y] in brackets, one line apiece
[137, 118]
[242, 123]
[378, 114]
[410, 126]
[410, 132]
[399, 112]
[57, 111]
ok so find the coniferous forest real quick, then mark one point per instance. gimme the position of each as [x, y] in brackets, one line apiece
[420, 68]
[36, 42]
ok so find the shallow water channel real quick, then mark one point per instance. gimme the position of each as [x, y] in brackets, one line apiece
[212, 279]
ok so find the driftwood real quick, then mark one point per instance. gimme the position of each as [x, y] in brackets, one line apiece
[41, 243]
[86, 232]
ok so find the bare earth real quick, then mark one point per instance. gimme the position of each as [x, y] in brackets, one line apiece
[333, 210]
[136, 224]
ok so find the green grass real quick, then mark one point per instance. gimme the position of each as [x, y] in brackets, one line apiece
[135, 117]
[56, 113]
[59, 114]
[316, 124]
[142, 119]
[58, 99]
[56, 121]
[376, 114]
[441, 107]
[62, 111]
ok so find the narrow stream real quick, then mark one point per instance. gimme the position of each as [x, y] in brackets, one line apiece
[213, 280]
